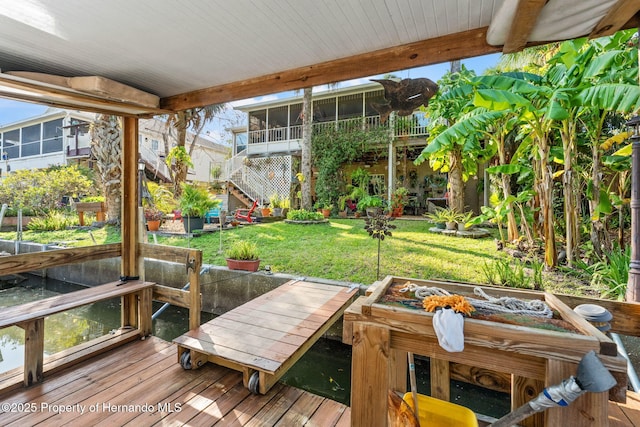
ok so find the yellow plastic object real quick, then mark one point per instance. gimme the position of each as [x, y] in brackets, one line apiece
[435, 412]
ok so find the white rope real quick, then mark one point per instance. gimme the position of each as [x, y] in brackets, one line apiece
[509, 305]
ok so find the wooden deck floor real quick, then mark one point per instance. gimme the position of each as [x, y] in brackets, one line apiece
[142, 384]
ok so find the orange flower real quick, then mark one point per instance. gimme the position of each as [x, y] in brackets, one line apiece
[456, 302]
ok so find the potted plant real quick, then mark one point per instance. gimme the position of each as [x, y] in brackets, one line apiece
[194, 203]
[399, 200]
[342, 205]
[242, 255]
[463, 220]
[265, 210]
[438, 217]
[372, 205]
[451, 217]
[153, 216]
[326, 209]
[276, 203]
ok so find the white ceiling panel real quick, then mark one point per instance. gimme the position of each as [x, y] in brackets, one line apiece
[170, 48]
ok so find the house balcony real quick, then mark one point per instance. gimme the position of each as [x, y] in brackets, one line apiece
[289, 139]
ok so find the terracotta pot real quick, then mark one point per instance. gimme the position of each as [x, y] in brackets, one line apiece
[153, 225]
[265, 211]
[326, 213]
[240, 264]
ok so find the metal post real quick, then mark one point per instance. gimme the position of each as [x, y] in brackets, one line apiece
[633, 283]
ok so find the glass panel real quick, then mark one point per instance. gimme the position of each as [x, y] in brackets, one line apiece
[52, 129]
[52, 145]
[11, 144]
[31, 140]
[241, 142]
[31, 134]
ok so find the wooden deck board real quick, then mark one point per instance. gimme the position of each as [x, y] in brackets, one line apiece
[269, 333]
[146, 373]
[211, 395]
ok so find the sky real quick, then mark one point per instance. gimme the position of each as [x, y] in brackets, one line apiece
[14, 111]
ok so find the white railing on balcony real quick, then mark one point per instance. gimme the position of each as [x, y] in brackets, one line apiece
[403, 126]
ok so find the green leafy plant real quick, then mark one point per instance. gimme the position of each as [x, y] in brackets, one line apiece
[53, 221]
[507, 273]
[275, 201]
[610, 273]
[370, 202]
[400, 197]
[304, 215]
[196, 201]
[242, 250]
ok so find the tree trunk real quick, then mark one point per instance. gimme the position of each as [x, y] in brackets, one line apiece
[505, 180]
[456, 184]
[305, 185]
[106, 148]
[179, 166]
[512, 225]
[599, 238]
[545, 192]
[572, 232]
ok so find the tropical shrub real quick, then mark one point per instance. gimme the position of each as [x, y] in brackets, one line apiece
[53, 221]
[304, 215]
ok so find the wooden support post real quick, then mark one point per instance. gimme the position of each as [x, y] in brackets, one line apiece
[522, 391]
[145, 312]
[129, 220]
[195, 303]
[440, 379]
[33, 350]
[588, 410]
[369, 375]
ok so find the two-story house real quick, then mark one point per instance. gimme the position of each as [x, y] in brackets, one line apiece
[267, 151]
[62, 137]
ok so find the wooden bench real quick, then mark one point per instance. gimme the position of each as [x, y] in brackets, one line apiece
[30, 317]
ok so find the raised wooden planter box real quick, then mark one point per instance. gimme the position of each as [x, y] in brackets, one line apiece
[381, 333]
[96, 207]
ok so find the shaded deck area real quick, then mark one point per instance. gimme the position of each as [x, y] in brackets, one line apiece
[142, 384]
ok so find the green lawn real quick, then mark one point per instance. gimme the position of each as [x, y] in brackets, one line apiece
[340, 250]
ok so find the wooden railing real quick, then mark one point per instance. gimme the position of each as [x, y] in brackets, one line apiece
[31, 316]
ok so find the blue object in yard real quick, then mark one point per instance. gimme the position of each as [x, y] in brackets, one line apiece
[213, 213]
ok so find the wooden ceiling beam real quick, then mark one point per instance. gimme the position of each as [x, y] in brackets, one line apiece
[524, 20]
[426, 52]
[617, 18]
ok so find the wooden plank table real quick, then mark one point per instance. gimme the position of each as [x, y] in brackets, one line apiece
[382, 334]
[266, 336]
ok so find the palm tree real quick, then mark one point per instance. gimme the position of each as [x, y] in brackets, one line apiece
[106, 148]
[306, 148]
[184, 122]
[445, 109]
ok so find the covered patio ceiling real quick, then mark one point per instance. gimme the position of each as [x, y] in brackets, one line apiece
[150, 57]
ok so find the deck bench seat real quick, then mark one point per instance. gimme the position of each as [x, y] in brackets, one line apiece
[30, 317]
